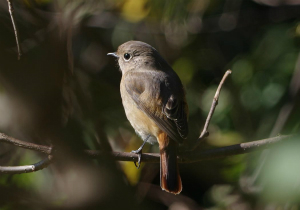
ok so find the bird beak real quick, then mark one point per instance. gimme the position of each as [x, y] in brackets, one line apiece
[113, 54]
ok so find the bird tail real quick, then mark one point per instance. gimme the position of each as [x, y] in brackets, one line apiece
[170, 180]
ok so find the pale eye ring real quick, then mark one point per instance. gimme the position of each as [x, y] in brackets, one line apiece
[127, 56]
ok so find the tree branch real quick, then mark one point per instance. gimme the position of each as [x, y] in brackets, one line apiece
[204, 132]
[185, 157]
[27, 168]
[26, 145]
[196, 156]
[237, 149]
[11, 10]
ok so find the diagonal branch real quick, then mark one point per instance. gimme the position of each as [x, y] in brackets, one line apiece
[11, 10]
[23, 144]
[204, 132]
[237, 149]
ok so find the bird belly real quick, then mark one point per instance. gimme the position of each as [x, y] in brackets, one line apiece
[141, 123]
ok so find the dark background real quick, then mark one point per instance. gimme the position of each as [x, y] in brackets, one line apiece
[64, 91]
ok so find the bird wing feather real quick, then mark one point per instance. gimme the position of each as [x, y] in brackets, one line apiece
[152, 95]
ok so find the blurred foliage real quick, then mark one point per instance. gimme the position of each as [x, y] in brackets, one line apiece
[65, 92]
[281, 172]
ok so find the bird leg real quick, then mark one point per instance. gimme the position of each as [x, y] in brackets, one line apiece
[139, 153]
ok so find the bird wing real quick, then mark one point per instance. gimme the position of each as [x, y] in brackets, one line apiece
[153, 95]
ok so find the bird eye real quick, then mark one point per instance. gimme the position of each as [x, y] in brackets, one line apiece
[127, 56]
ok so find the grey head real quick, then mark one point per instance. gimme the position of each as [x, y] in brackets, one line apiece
[136, 55]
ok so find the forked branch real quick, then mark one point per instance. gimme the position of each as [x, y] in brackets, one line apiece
[185, 157]
[196, 156]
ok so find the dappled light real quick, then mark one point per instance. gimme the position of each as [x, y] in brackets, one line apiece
[62, 116]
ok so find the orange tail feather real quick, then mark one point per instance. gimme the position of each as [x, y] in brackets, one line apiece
[169, 171]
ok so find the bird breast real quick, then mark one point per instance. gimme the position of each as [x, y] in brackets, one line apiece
[141, 123]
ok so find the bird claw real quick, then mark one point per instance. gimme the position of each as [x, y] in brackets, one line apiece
[139, 153]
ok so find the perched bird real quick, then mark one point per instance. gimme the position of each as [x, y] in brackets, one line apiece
[154, 101]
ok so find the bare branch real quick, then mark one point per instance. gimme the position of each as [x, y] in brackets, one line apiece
[237, 149]
[11, 10]
[204, 132]
[28, 168]
[190, 157]
[26, 145]
[185, 157]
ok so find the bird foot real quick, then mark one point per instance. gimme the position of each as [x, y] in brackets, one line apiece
[139, 153]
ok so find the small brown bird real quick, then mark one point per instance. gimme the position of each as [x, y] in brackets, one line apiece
[154, 101]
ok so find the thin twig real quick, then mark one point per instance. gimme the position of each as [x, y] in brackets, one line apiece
[205, 132]
[11, 10]
[27, 168]
[26, 145]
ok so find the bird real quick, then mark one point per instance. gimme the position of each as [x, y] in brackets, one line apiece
[155, 104]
